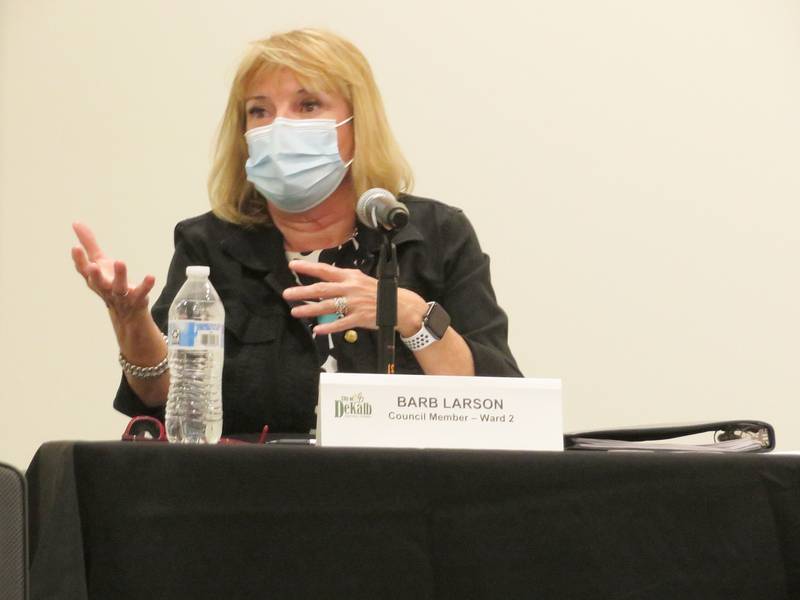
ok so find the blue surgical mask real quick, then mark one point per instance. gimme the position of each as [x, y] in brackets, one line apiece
[295, 163]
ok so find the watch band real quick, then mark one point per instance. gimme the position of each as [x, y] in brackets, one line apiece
[434, 325]
[419, 340]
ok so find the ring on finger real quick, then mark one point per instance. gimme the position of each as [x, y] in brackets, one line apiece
[340, 302]
[122, 295]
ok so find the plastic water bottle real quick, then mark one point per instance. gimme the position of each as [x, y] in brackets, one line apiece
[196, 330]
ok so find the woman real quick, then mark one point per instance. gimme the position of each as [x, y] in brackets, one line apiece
[303, 136]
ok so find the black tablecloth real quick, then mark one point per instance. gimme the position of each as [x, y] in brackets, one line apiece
[149, 520]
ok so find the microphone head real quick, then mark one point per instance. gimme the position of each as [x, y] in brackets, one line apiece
[398, 217]
[368, 203]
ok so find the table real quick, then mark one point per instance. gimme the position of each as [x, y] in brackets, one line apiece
[121, 520]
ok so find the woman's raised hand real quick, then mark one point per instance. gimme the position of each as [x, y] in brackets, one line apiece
[108, 278]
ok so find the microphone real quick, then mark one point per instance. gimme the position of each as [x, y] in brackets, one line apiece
[378, 208]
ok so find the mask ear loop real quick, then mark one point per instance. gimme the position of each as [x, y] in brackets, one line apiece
[347, 120]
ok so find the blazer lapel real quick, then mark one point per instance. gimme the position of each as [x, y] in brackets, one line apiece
[261, 250]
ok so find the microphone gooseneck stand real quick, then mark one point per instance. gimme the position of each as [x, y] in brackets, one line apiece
[386, 317]
[379, 209]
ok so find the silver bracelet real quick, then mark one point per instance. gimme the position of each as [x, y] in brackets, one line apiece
[144, 372]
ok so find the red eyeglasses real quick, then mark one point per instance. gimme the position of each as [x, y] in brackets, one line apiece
[144, 429]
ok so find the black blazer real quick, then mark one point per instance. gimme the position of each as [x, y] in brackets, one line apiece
[271, 370]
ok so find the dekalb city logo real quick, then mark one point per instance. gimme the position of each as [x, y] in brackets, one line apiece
[353, 406]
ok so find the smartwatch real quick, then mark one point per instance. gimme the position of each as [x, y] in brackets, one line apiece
[434, 325]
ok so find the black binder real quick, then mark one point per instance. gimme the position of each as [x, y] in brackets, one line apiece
[742, 435]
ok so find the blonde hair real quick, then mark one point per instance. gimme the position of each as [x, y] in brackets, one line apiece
[324, 62]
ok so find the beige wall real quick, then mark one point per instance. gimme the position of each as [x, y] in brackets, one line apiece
[631, 167]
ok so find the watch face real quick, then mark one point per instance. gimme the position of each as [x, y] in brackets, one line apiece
[437, 320]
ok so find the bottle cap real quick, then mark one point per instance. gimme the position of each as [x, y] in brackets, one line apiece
[196, 272]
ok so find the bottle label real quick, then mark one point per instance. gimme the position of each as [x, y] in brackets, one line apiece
[195, 334]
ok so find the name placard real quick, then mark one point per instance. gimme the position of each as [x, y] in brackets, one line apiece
[424, 411]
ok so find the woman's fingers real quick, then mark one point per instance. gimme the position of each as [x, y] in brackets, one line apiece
[140, 292]
[97, 281]
[335, 282]
[123, 296]
[119, 287]
[322, 271]
[348, 322]
[314, 309]
[87, 240]
[80, 260]
[358, 312]
[315, 291]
